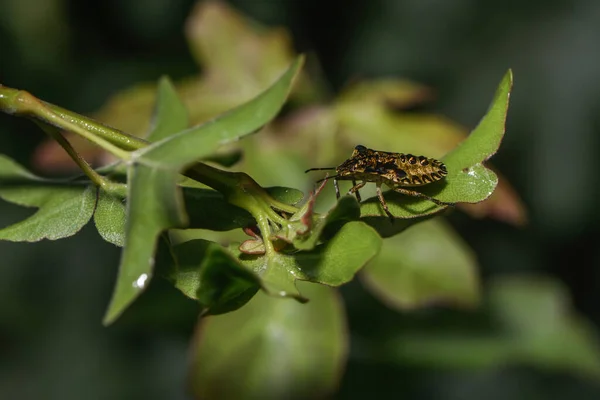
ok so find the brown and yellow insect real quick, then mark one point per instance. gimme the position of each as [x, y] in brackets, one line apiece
[396, 170]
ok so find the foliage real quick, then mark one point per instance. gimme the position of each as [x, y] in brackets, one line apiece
[169, 181]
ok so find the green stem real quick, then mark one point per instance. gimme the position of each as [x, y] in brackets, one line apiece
[232, 184]
[223, 181]
[19, 102]
[119, 138]
[275, 217]
[279, 205]
[101, 181]
[263, 224]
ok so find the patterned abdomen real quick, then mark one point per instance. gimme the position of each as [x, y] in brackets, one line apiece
[418, 170]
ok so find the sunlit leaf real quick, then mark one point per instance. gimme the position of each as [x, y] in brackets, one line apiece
[272, 349]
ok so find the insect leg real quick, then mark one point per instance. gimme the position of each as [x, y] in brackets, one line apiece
[355, 189]
[414, 193]
[337, 188]
[383, 203]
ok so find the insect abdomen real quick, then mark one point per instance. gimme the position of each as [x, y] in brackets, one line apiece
[420, 170]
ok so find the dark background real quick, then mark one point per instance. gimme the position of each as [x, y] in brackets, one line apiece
[76, 54]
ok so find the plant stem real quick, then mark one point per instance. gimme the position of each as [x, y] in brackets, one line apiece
[263, 224]
[279, 205]
[106, 184]
[20, 102]
[55, 134]
[119, 138]
[222, 181]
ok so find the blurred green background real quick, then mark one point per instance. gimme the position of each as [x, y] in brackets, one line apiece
[77, 54]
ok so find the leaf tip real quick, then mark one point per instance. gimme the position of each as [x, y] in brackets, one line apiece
[299, 61]
[295, 67]
[125, 293]
[165, 82]
[109, 317]
[508, 80]
[509, 75]
[114, 311]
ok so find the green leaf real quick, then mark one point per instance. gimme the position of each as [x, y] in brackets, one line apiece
[485, 140]
[542, 326]
[468, 181]
[278, 276]
[155, 202]
[450, 350]
[336, 261]
[535, 325]
[426, 264]
[206, 272]
[110, 218]
[272, 349]
[152, 207]
[285, 194]
[63, 207]
[332, 263]
[170, 115]
[385, 228]
[182, 149]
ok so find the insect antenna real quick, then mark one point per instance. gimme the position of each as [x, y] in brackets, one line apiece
[326, 178]
[319, 169]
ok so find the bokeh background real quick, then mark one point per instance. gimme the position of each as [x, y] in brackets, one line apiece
[77, 54]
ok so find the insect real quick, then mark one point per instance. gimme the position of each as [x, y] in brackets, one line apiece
[396, 170]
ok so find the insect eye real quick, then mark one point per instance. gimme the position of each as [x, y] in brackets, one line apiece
[360, 148]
